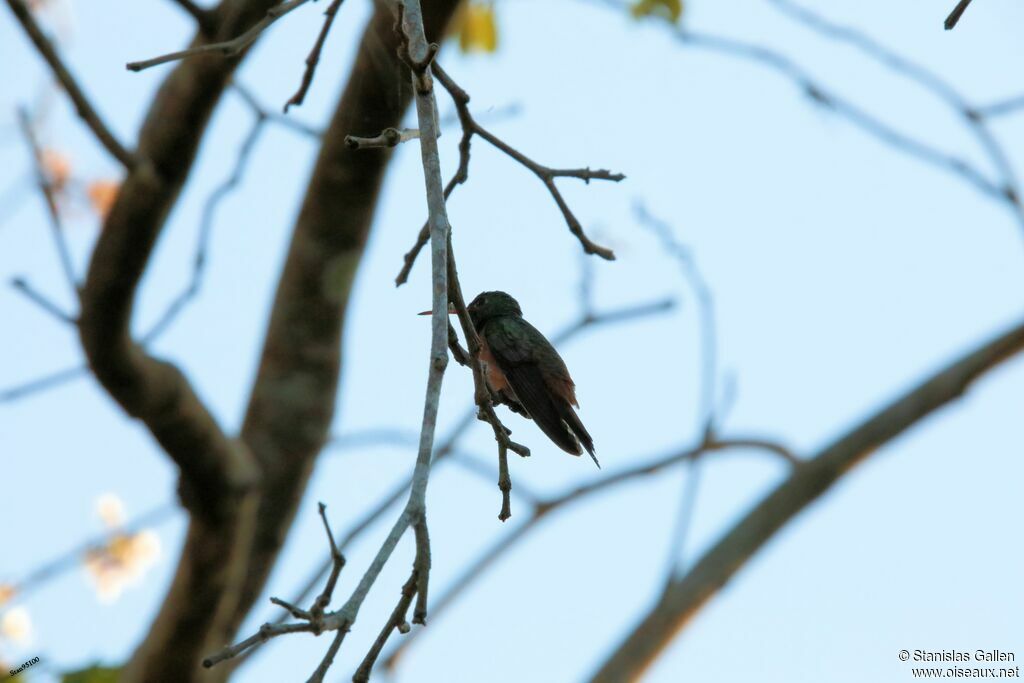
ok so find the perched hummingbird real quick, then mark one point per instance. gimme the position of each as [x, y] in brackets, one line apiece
[523, 368]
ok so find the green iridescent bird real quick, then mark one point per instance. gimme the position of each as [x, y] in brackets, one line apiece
[524, 369]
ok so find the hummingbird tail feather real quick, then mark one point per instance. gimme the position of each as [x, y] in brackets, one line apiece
[575, 425]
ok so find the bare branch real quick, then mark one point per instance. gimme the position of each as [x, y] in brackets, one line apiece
[955, 15]
[265, 633]
[82, 106]
[421, 569]
[227, 48]
[707, 361]
[338, 560]
[22, 286]
[543, 508]
[482, 392]
[397, 621]
[314, 56]
[50, 381]
[471, 127]
[312, 620]
[414, 50]
[274, 116]
[922, 76]
[53, 211]
[447, 449]
[389, 137]
[1001, 108]
[685, 596]
[218, 195]
[287, 430]
[1005, 190]
[219, 474]
[328, 659]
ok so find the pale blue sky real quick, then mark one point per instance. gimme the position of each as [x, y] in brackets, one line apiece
[842, 273]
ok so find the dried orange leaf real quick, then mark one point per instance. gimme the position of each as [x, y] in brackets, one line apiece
[102, 194]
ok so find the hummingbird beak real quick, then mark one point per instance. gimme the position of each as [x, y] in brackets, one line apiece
[451, 311]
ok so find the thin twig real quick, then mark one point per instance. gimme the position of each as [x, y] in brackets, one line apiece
[586, 321]
[542, 510]
[53, 211]
[227, 48]
[688, 594]
[461, 175]
[274, 116]
[82, 106]
[684, 518]
[397, 621]
[312, 620]
[22, 286]
[218, 195]
[314, 56]
[839, 105]
[328, 660]
[924, 77]
[389, 137]
[265, 633]
[482, 393]
[706, 391]
[421, 569]
[50, 381]
[546, 175]
[1009, 105]
[415, 51]
[955, 15]
[338, 563]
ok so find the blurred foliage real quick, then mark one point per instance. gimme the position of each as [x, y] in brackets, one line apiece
[94, 674]
[669, 10]
[476, 27]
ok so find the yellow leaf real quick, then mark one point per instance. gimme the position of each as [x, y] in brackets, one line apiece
[478, 28]
[669, 10]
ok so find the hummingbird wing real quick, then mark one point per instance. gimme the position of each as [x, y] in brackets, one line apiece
[540, 380]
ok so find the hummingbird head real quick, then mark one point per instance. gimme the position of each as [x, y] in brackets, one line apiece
[488, 305]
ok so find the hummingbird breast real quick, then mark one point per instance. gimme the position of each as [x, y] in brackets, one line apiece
[495, 377]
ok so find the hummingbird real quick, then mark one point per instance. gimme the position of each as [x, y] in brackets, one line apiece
[524, 370]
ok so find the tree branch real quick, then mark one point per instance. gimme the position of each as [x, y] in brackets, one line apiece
[52, 210]
[586, 321]
[685, 596]
[314, 56]
[417, 54]
[955, 15]
[227, 48]
[22, 286]
[543, 509]
[312, 620]
[471, 127]
[927, 79]
[293, 400]
[218, 474]
[82, 106]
